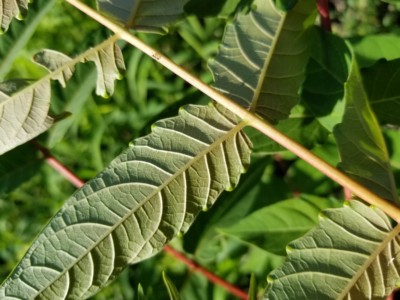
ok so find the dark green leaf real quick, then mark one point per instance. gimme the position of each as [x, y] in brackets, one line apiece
[381, 83]
[17, 166]
[273, 227]
[371, 48]
[362, 147]
[327, 71]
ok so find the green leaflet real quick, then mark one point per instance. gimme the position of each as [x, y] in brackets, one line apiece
[351, 254]
[381, 83]
[107, 57]
[23, 115]
[361, 145]
[10, 9]
[148, 194]
[262, 58]
[271, 228]
[148, 15]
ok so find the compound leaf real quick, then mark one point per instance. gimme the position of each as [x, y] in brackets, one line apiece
[351, 254]
[148, 194]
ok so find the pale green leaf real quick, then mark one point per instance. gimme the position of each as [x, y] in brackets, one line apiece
[360, 141]
[271, 228]
[110, 66]
[351, 254]
[151, 15]
[148, 194]
[10, 9]
[24, 115]
[262, 58]
[107, 57]
[54, 60]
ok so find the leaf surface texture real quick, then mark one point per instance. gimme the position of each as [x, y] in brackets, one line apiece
[262, 58]
[351, 254]
[148, 194]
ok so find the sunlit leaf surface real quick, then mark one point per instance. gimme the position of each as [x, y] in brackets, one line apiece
[148, 194]
[351, 254]
[24, 115]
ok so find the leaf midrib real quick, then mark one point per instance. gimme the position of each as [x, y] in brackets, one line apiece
[180, 171]
[73, 62]
[369, 261]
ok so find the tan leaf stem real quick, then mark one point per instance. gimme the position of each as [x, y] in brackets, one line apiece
[252, 120]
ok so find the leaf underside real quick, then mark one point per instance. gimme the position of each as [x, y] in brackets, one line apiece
[352, 254]
[107, 57]
[148, 194]
[262, 58]
[24, 115]
[10, 9]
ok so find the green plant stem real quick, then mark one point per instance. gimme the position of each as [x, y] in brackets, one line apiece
[78, 183]
[360, 191]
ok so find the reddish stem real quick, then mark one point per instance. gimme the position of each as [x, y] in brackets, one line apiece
[77, 182]
[323, 9]
[210, 276]
[58, 166]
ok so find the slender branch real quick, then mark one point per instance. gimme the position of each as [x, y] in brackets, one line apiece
[323, 10]
[77, 182]
[254, 121]
[210, 276]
